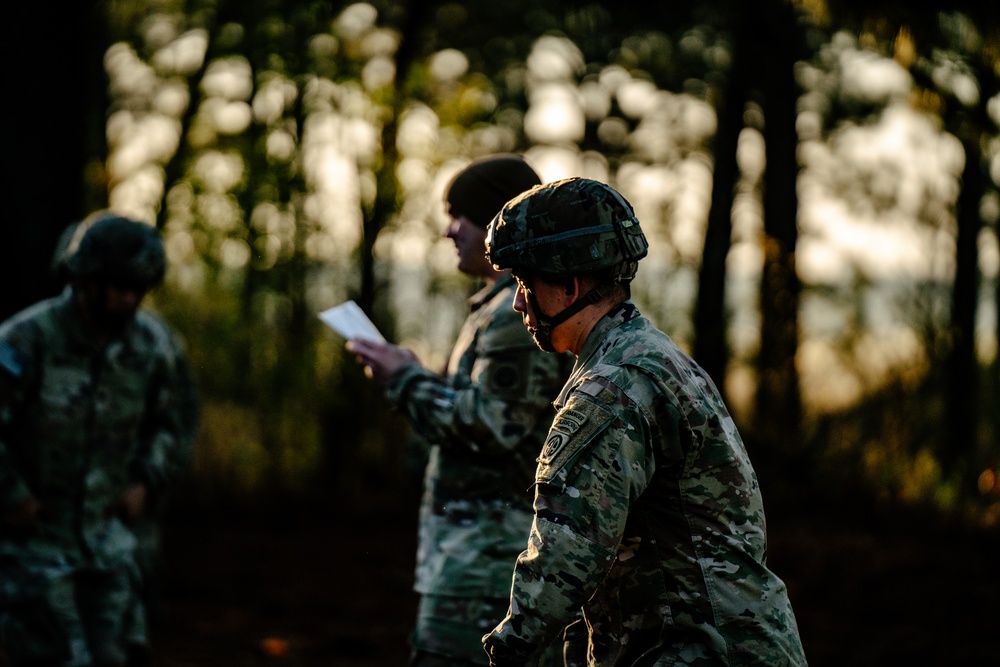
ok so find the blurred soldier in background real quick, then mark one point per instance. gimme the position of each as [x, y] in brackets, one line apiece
[647, 510]
[485, 420]
[97, 413]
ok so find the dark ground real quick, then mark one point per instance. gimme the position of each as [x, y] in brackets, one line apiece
[868, 588]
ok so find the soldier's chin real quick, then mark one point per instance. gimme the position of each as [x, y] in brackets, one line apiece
[541, 342]
[116, 322]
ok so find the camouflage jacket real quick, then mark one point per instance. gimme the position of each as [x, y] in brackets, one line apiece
[80, 421]
[648, 516]
[485, 421]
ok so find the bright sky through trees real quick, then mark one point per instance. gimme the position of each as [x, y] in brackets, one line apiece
[876, 199]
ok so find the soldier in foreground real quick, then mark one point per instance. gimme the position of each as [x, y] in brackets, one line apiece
[96, 402]
[484, 420]
[647, 511]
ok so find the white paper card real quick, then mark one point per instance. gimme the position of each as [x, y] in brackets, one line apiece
[350, 321]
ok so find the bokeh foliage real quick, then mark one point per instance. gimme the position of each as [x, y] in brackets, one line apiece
[294, 154]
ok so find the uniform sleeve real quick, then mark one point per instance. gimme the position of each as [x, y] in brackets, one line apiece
[594, 465]
[172, 418]
[507, 395]
[15, 371]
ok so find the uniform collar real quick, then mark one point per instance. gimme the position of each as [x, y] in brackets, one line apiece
[618, 315]
[614, 318]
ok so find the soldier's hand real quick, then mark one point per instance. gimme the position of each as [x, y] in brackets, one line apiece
[131, 503]
[25, 515]
[380, 360]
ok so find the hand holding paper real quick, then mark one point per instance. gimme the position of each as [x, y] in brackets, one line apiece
[381, 360]
[350, 321]
[379, 357]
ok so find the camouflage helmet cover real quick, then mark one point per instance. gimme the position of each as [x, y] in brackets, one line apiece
[107, 246]
[565, 228]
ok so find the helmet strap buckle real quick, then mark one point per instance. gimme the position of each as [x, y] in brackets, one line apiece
[547, 324]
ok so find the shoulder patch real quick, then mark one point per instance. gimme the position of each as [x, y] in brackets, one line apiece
[566, 424]
[10, 360]
[506, 376]
[574, 427]
[503, 375]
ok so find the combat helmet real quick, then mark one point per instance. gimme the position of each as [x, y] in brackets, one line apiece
[567, 228]
[110, 247]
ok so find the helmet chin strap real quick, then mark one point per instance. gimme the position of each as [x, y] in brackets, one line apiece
[547, 323]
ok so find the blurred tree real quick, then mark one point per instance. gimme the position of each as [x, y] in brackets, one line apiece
[768, 42]
[966, 115]
[951, 50]
[412, 19]
[292, 152]
[711, 348]
[778, 411]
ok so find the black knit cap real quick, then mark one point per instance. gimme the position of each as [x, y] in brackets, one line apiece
[481, 189]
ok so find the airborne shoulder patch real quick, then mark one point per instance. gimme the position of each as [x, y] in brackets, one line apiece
[567, 423]
[575, 426]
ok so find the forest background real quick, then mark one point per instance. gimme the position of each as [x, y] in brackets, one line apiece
[817, 180]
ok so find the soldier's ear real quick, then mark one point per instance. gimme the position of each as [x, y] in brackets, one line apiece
[573, 288]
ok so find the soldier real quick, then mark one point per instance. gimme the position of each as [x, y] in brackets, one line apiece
[485, 421]
[97, 413]
[647, 511]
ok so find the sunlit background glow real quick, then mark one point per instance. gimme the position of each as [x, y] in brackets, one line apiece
[876, 197]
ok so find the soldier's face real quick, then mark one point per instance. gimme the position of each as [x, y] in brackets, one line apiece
[536, 299]
[111, 305]
[122, 301]
[470, 243]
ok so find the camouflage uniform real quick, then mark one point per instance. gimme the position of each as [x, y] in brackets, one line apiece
[648, 515]
[647, 511]
[486, 421]
[79, 422]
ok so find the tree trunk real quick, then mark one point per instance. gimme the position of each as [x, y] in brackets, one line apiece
[995, 373]
[710, 346]
[779, 406]
[962, 366]
[414, 13]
